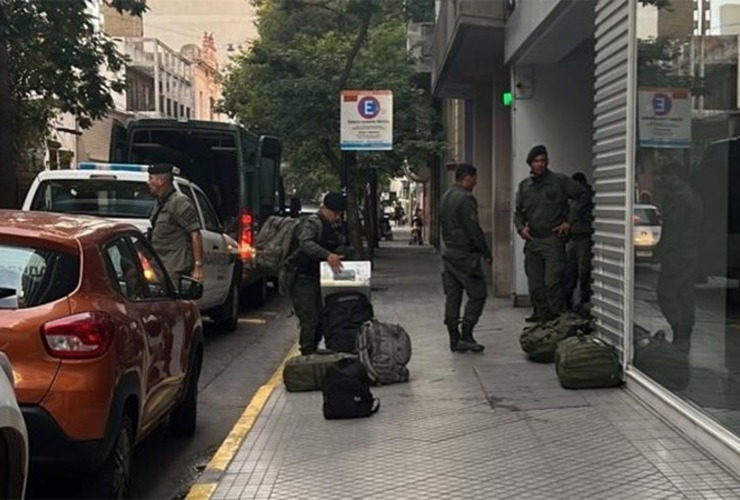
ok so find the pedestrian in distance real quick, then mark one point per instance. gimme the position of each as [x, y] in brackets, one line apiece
[464, 246]
[319, 238]
[578, 250]
[175, 232]
[678, 254]
[543, 218]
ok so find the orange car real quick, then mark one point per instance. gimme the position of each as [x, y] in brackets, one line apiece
[103, 346]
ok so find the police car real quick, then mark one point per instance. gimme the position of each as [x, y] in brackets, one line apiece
[119, 191]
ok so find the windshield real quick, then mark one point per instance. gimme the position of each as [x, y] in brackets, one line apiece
[102, 197]
[30, 276]
[646, 217]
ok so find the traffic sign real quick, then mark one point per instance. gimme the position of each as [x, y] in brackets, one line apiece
[366, 120]
[664, 117]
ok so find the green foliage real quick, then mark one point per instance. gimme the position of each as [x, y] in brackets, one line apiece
[55, 56]
[658, 65]
[289, 82]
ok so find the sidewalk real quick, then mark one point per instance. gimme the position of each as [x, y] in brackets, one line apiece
[466, 426]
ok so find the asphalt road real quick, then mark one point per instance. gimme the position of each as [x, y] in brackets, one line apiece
[236, 364]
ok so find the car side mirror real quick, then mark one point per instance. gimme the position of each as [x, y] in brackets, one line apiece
[189, 288]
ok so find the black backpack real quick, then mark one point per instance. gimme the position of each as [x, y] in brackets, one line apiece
[342, 317]
[347, 391]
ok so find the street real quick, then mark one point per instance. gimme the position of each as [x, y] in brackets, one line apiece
[236, 364]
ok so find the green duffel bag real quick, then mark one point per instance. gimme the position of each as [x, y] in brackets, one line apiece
[587, 362]
[306, 373]
[540, 341]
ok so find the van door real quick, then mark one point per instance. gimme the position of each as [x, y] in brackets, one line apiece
[269, 151]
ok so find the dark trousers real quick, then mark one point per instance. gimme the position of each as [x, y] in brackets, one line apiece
[675, 292]
[578, 269]
[460, 273]
[544, 262]
[306, 296]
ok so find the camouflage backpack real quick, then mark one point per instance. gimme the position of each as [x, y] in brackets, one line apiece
[540, 341]
[384, 349]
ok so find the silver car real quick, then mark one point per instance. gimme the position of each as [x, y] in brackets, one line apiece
[13, 437]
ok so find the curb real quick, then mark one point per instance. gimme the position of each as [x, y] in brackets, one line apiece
[206, 485]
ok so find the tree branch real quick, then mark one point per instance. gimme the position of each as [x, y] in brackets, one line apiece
[359, 41]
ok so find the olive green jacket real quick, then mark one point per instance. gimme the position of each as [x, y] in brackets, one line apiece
[461, 231]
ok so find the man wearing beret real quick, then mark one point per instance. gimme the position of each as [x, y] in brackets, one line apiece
[543, 218]
[175, 233]
[465, 245]
[318, 239]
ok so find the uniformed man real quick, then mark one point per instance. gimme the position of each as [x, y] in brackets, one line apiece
[318, 238]
[464, 245]
[543, 219]
[578, 249]
[678, 253]
[175, 233]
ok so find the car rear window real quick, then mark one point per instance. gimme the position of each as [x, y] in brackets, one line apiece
[646, 217]
[31, 277]
[101, 197]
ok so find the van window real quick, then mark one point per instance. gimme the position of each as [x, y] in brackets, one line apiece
[31, 277]
[646, 216]
[102, 197]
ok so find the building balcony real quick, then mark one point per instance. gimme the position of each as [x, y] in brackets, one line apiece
[468, 45]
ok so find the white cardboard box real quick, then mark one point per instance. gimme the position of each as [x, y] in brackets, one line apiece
[355, 277]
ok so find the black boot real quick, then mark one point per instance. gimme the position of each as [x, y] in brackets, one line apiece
[467, 342]
[454, 334]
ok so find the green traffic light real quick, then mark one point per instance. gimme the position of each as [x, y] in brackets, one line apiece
[507, 98]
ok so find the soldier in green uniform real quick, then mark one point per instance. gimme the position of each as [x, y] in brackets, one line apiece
[464, 245]
[175, 232]
[543, 218]
[678, 253]
[578, 250]
[318, 238]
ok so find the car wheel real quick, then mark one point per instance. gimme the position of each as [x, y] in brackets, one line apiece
[227, 315]
[114, 478]
[183, 419]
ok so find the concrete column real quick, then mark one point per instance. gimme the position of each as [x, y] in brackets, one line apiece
[482, 159]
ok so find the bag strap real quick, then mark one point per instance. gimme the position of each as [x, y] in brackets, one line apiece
[376, 406]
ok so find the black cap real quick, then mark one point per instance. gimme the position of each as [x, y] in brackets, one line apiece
[160, 168]
[535, 152]
[335, 202]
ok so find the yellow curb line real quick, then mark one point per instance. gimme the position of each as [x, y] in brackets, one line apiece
[228, 449]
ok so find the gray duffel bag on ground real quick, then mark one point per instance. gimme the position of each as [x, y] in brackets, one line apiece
[306, 373]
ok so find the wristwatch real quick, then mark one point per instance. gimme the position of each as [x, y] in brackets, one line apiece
[198, 263]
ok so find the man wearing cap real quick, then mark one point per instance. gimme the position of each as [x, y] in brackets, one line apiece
[175, 233]
[543, 218]
[318, 239]
[464, 247]
[578, 249]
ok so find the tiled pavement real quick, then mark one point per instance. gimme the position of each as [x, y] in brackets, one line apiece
[467, 426]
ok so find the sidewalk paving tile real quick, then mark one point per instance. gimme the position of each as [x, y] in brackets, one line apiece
[467, 426]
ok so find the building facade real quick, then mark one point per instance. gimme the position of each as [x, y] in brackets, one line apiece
[643, 100]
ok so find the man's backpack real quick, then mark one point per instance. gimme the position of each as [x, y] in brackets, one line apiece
[587, 362]
[341, 319]
[384, 350]
[347, 391]
[273, 243]
[540, 341]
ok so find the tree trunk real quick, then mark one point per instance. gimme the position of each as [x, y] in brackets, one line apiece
[8, 185]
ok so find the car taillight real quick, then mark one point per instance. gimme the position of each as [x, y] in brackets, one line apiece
[246, 231]
[80, 336]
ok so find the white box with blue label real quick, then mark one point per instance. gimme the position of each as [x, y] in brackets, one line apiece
[355, 277]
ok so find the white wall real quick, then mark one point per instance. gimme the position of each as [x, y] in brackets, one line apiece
[559, 115]
[527, 18]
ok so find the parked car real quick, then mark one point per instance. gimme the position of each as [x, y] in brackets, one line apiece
[120, 192]
[104, 347]
[647, 231]
[13, 437]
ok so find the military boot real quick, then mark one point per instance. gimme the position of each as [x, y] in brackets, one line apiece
[467, 342]
[454, 334]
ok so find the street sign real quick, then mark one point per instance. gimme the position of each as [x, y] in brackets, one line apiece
[367, 120]
[664, 117]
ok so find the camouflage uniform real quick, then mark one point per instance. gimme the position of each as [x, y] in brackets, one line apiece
[578, 252]
[464, 247]
[678, 253]
[316, 239]
[541, 205]
[173, 219]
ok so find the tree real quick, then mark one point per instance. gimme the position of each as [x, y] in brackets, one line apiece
[51, 56]
[289, 83]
